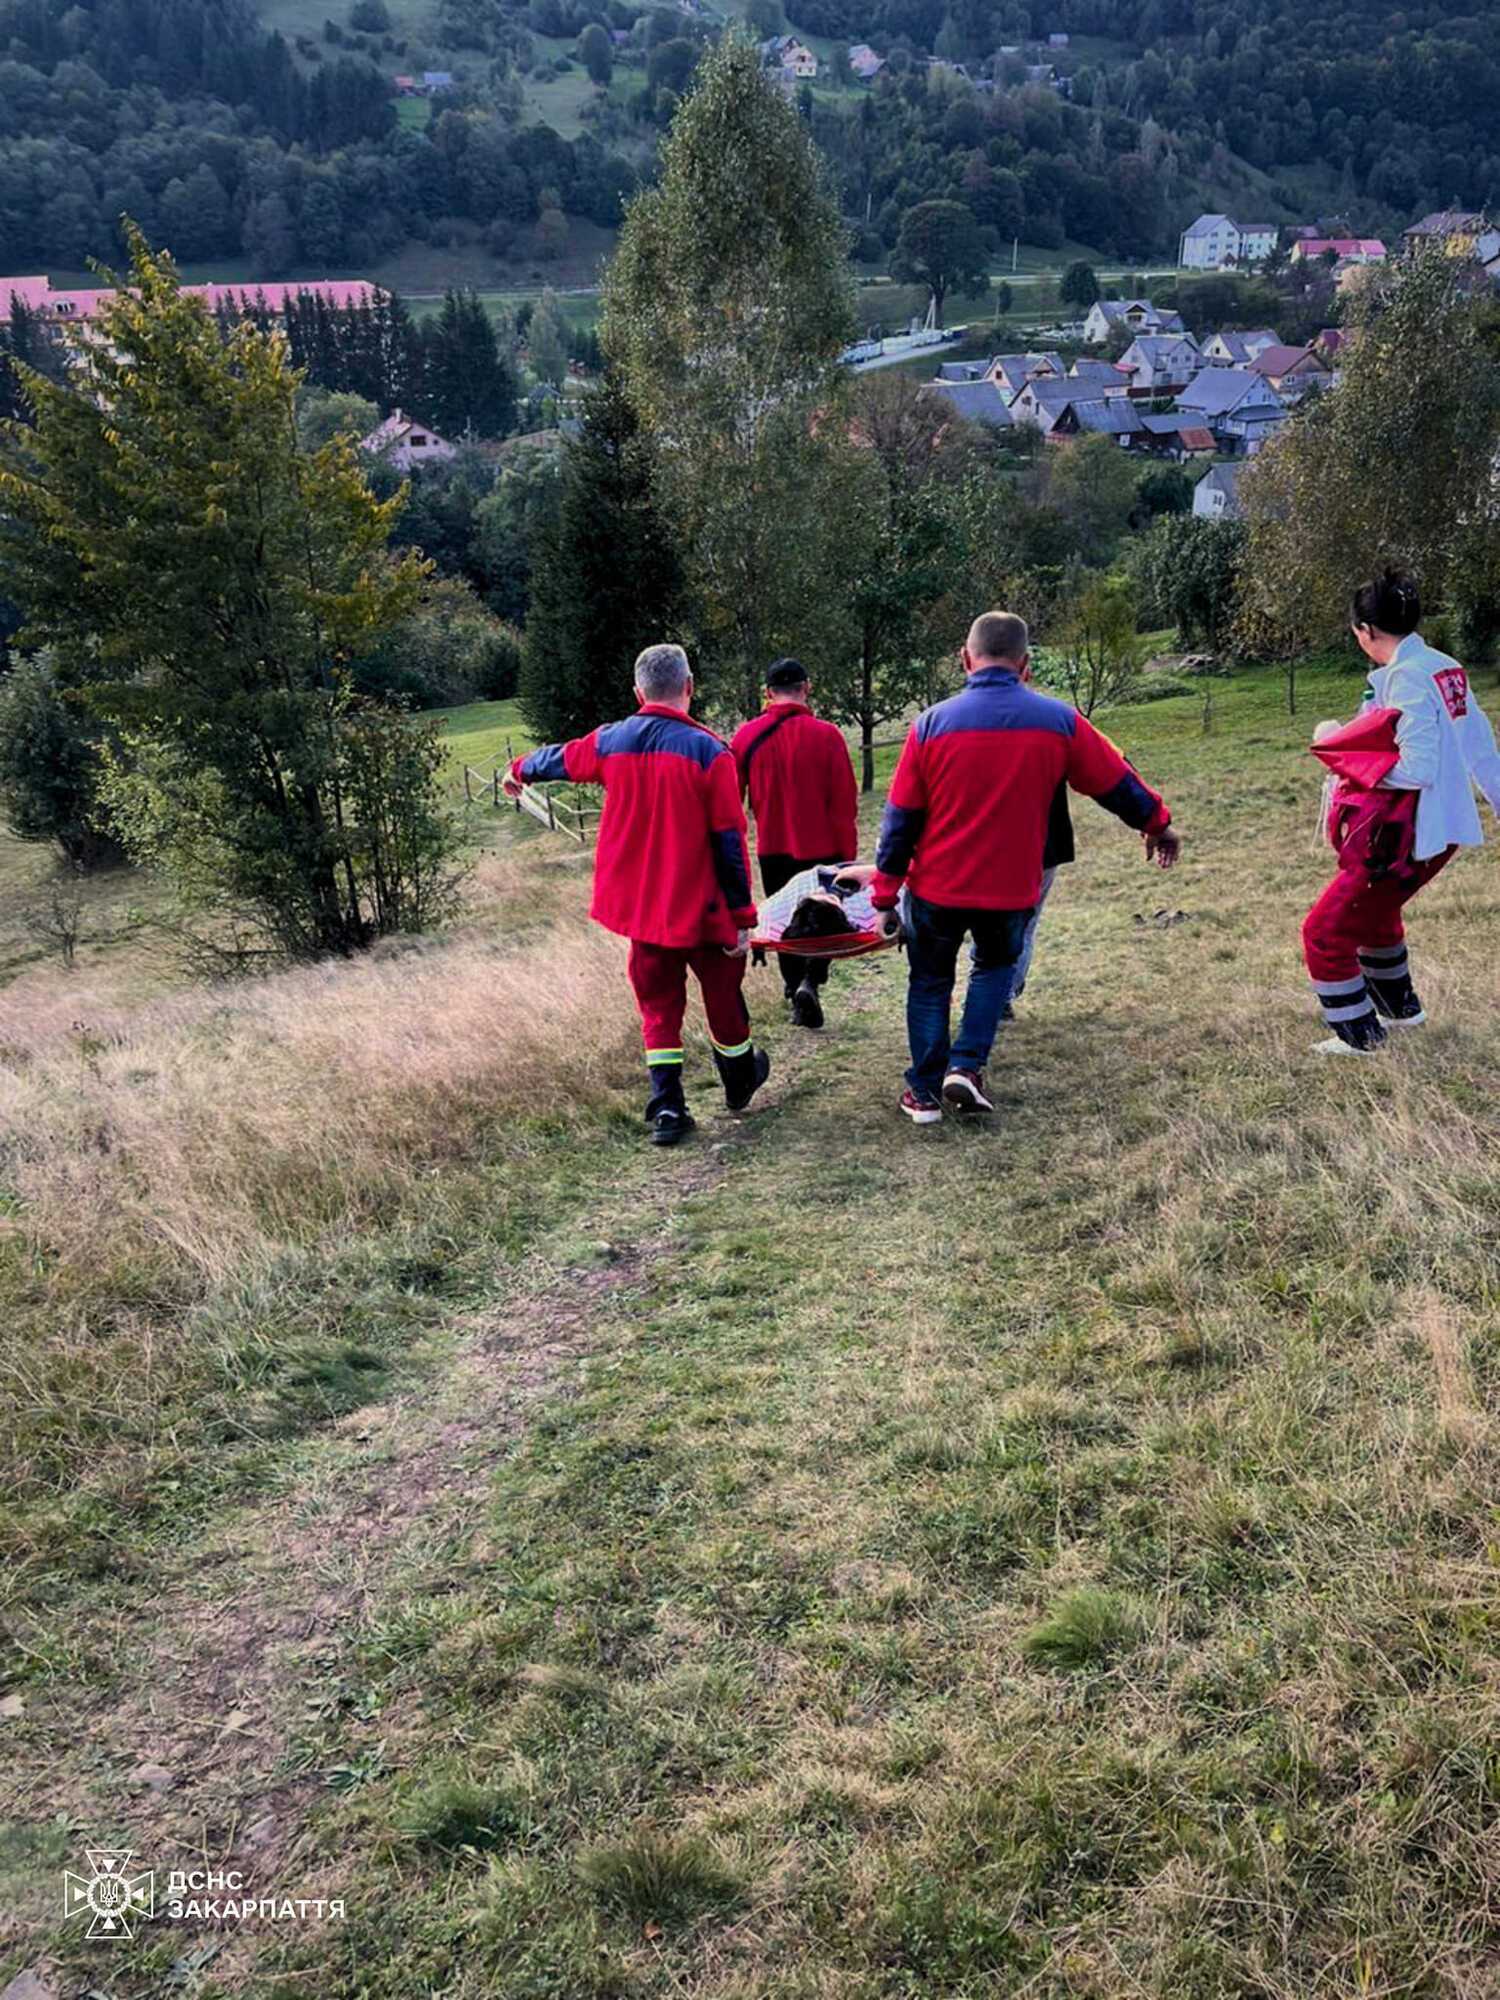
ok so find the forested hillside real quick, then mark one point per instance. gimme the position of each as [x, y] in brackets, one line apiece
[228, 140]
[1398, 100]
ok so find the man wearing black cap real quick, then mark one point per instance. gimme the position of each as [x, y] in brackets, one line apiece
[800, 779]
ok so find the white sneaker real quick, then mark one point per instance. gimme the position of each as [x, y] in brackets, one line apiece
[1416, 1020]
[1334, 1047]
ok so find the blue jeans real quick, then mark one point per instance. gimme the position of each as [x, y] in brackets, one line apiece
[933, 936]
[1023, 964]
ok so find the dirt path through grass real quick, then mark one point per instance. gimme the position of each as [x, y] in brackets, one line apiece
[228, 1710]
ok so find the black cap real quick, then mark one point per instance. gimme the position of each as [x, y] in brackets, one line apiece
[786, 674]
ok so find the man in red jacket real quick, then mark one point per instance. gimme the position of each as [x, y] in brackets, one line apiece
[800, 779]
[672, 874]
[965, 829]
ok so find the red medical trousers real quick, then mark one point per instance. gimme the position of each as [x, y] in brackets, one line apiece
[1356, 912]
[658, 977]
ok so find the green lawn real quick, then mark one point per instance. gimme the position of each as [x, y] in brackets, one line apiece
[481, 734]
[834, 1561]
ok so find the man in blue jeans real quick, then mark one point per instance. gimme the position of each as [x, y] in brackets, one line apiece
[965, 831]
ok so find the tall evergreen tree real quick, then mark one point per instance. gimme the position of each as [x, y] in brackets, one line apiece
[470, 384]
[607, 581]
[725, 310]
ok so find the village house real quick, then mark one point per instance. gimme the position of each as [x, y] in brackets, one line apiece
[792, 58]
[1455, 229]
[1214, 242]
[1291, 371]
[963, 371]
[975, 402]
[1105, 316]
[403, 442]
[1159, 364]
[1240, 408]
[1011, 372]
[1235, 348]
[1174, 434]
[1216, 497]
[1099, 378]
[864, 62]
[1043, 400]
[1343, 249]
[1089, 416]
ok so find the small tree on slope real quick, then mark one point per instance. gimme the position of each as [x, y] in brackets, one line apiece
[207, 579]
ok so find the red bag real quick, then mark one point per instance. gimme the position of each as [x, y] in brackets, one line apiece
[1365, 750]
[1373, 832]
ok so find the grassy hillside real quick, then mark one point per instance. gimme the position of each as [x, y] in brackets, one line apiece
[831, 1560]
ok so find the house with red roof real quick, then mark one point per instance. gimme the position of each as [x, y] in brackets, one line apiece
[1344, 249]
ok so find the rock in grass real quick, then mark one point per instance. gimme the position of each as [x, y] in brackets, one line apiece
[1083, 1629]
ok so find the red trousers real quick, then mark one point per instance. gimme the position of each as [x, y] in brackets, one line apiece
[658, 977]
[1357, 912]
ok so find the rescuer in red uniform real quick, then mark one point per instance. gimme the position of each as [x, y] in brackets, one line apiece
[799, 777]
[672, 874]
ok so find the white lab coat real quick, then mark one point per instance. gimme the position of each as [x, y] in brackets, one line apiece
[1446, 742]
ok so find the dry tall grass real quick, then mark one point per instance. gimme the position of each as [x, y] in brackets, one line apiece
[213, 1128]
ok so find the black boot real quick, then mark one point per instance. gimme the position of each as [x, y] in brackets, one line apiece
[1388, 981]
[667, 1113]
[742, 1075]
[807, 1008]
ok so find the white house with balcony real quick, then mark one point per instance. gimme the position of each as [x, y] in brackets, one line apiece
[1217, 242]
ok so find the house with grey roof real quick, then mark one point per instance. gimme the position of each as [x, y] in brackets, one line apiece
[1216, 497]
[1239, 407]
[1042, 401]
[1106, 316]
[1237, 347]
[963, 371]
[1011, 372]
[1103, 416]
[1099, 378]
[1159, 364]
[975, 402]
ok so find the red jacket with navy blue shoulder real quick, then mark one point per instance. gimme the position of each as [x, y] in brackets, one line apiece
[801, 783]
[671, 866]
[966, 821]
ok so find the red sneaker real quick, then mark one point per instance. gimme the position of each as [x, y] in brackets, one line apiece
[964, 1090]
[920, 1108]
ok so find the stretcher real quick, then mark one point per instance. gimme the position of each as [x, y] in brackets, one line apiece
[790, 920]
